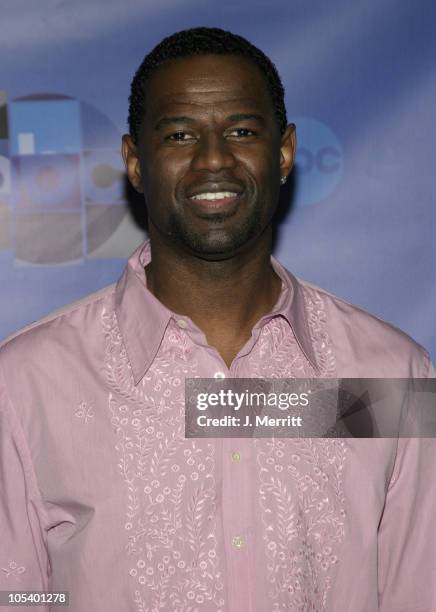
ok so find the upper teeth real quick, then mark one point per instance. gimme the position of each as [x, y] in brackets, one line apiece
[214, 195]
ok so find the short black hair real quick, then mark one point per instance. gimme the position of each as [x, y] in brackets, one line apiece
[202, 41]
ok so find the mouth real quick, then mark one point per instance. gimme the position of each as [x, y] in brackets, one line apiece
[215, 199]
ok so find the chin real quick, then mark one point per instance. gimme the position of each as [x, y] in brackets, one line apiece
[218, 248]
[217, 244]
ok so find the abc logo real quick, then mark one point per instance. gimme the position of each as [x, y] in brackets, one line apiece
[319, 161]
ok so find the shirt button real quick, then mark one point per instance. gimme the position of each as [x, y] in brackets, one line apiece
[182, 323]
[236, 456]
[237, 542]
[219, 375]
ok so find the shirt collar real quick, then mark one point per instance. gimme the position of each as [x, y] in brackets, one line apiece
[142, 319]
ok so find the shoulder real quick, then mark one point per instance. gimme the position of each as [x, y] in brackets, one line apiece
[364, 345]
[64, 328]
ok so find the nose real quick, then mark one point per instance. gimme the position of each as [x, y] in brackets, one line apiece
[213, 153]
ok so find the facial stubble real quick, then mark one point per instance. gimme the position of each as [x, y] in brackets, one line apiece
[216, 241]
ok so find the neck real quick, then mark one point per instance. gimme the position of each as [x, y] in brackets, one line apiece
[224, 298]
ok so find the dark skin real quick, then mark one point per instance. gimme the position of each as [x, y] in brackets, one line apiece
[209, 126]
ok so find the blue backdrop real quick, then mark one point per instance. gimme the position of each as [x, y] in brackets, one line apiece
[361, 87]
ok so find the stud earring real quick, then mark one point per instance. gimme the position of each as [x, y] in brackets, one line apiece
[283, 180]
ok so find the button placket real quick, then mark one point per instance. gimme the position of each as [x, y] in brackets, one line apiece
[238, 519]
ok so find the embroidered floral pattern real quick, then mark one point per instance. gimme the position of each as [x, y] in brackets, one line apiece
[277, 353]
[300, 481]
[302, 502]
[321, 341]
[171, 507]
[13, 570]
[175, 562]
[84, 412]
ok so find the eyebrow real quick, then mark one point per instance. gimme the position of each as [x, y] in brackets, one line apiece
[171, 120]
[231, 118]
[246, 117]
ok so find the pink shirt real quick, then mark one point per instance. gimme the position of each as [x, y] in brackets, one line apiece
[102, 495]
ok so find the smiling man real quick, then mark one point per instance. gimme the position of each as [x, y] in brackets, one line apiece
[101, 494]
[209, 155]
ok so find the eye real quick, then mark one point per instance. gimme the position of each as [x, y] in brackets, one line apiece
[241, 133]
[180, 136]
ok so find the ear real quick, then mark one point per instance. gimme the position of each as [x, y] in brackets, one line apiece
[287, 150]
[129, 152]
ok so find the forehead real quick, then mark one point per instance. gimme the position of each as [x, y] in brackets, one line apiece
[207, 80]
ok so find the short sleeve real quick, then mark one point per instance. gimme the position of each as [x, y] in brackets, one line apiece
[23, 554]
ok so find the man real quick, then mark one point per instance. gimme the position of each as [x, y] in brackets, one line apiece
[101, 493]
